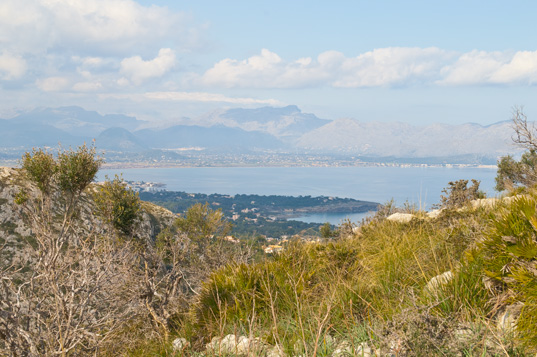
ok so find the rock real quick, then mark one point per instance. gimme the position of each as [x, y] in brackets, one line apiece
[242, 345]
[6, 171]
[275, 351]
[364, 350]
[438, 281]
[463, 334]
[180, 344]
[344, 348]
[506, 320]
[484, 202]
[434, 213]
[225, 345]
[401, 217]
[237, 346]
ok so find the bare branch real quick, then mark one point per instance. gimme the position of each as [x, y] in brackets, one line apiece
[525, 133]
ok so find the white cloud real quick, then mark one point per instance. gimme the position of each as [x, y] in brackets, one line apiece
[481, 68]
[473, 68]
[522, 68]
[11, 67]
[86, 41]
[108, 27]
[261, 71]
[53, 84]
[192, 97]
[383, 67]
[390, 66]
[138, 70]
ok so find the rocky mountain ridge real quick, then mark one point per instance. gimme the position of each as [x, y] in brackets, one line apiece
[284, 129]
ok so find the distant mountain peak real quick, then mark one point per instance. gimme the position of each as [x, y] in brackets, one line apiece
[119, 139]
[405, 140]
[286, 123]
[76, 120]
[245, 113]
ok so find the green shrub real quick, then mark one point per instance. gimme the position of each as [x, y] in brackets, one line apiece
[312, 290]
[458, 193]
[510, 260]
[118, 205]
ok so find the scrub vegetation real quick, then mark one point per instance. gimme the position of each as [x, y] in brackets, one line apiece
[459, 282]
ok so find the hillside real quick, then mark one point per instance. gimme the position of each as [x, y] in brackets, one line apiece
[83, 265]
[132, 279]
[14, 231]
[407, 283]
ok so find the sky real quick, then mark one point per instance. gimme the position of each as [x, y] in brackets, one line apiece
[418, 62]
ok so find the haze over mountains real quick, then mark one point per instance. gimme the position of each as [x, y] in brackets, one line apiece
[284, 129]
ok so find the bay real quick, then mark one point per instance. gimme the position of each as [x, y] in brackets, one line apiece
[421, 186]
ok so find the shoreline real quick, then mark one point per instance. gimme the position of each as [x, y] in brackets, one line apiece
[147, 165]
[115, 166]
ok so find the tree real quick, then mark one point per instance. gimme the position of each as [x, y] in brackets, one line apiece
[327, 232]
[458, 193]
[511, 173]
[525, 135]
[118, 205]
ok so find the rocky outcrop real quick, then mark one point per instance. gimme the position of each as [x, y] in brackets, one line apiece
[401, 217]
[235, 345]
[238, 346]
[14, 233]
[485, 203]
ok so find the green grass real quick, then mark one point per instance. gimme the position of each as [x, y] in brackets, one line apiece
[371, 287]
[352, 289]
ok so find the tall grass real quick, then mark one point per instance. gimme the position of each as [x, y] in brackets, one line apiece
[311, 296]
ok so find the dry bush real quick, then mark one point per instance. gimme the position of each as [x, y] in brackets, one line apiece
[70, 295]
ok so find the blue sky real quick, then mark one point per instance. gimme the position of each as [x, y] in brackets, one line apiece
[411, 61]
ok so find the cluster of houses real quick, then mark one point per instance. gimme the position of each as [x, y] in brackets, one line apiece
[142, 186]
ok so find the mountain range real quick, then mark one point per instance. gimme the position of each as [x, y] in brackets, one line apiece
[284, 129]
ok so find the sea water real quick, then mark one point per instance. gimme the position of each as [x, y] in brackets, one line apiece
[421, 186]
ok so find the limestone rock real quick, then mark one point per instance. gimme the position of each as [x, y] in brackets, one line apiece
[484, 203]
[401, 217]
[6, 171]
[506, 320]
[364, 350]
[343, 349]
[275, 351]
[438, 281]
[237, 346]
[180, 344]
[434, 213]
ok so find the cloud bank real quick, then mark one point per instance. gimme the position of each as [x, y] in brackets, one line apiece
[97, 27]
[106, 48]
[384, 67]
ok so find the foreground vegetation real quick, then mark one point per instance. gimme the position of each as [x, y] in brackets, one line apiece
[459, 282]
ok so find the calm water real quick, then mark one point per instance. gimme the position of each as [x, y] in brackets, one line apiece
[418, 185]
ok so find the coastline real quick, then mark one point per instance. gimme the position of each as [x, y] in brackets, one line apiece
[146, 165]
